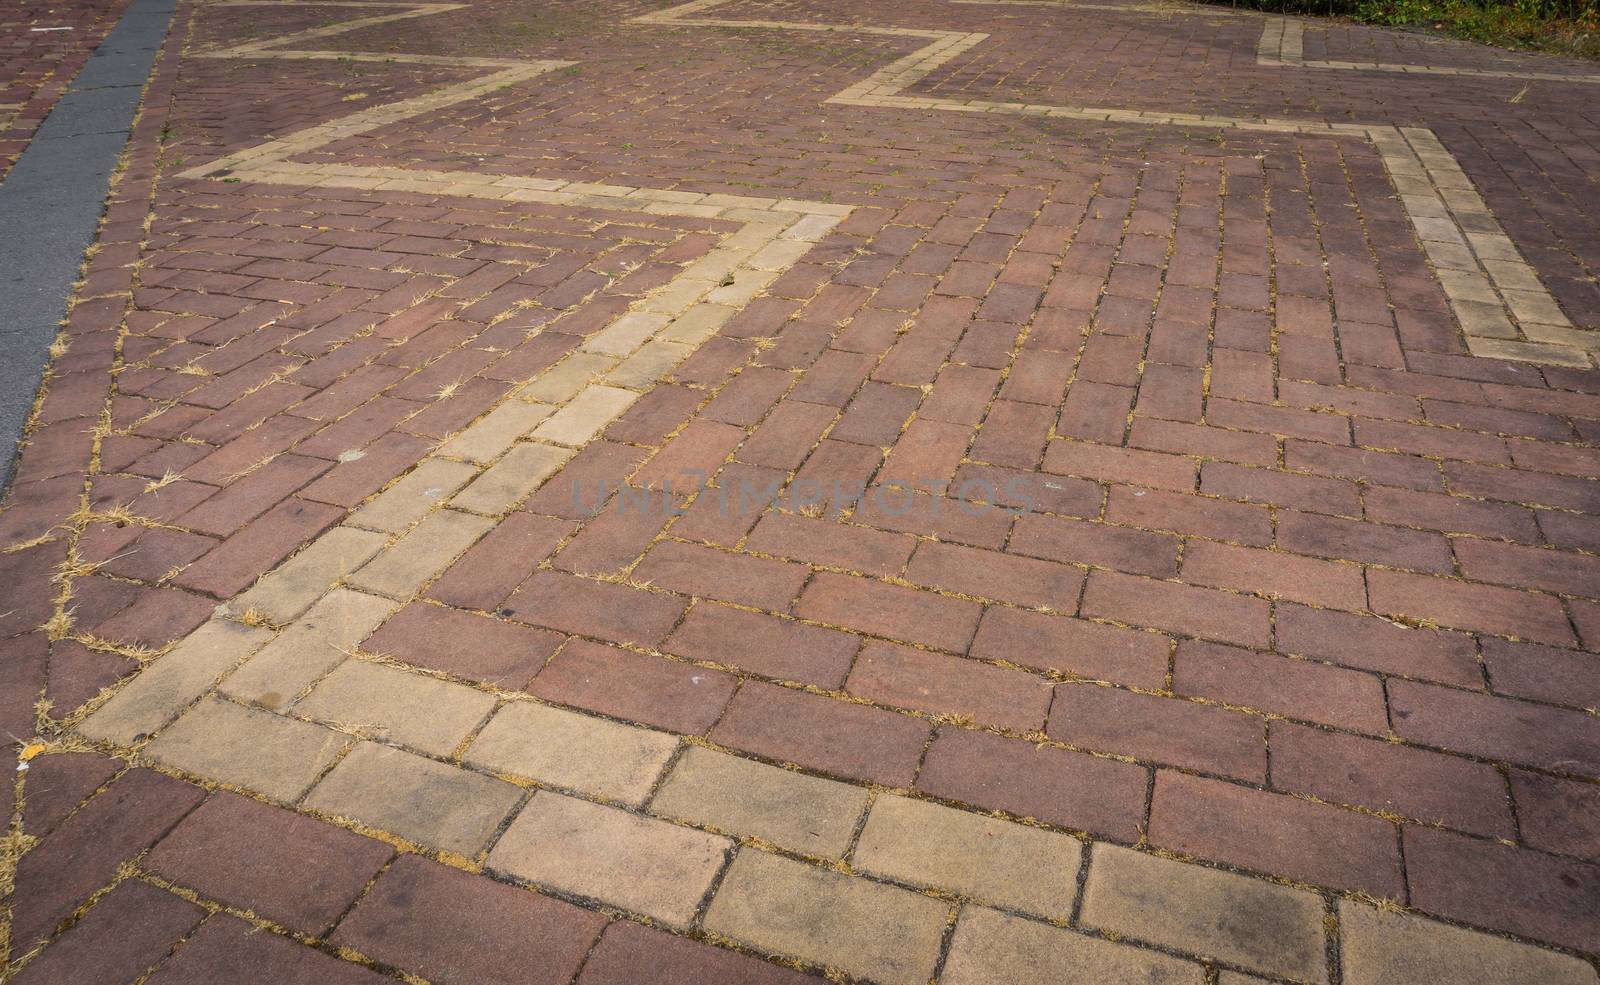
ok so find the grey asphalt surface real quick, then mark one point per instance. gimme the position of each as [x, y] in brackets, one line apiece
[52, 200]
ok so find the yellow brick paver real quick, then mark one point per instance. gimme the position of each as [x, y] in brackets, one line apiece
[410, 499]
[988, 859]
[646, 866]
[800, 813]
[994, 948]
[276, 756]
[1247, 922]
[309, 648]
[416, 798]
[572, 751]
[156, 697]
[423, 713]
[285, 593]
[422, 553]
[877, 932]
[1378, 947]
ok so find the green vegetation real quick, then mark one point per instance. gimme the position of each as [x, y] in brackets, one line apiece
[1566, 27]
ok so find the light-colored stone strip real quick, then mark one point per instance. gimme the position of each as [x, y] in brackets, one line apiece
[875, 932]
[1476, 262]
[1503, 308]
[571, 751]
[421, 800]
[806, 814]
[1378, 946]
[644, 865]
[1248, 923]
[1282, 41]
[1272, 48]
[156, 695]
[994, 948]
[308, 648]
[1497, 296]
[870, 916]
[266, 162]
[1287, 47]
[413, 511]
[401, 11]
[396, 706]
[400, 539]
[499, 468]
[286, 592]
[1159, 7]
[250, 748]
[931, 846]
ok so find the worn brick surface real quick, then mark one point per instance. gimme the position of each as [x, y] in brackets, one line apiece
[1031, 779]
[1301, 839]
[83, 853]
[1298, 688]
[989, 946]
[802, 813]
[826, 917]
[647, 866]
[1010, 864]
[934, 682]
[1558, 815]
[1202, 737]
[465, 644]
[846, 739]
[1257, 925]
[292, 870]
[127, 931]
[636, 686]
[470, 930]
[1384, 776]
[1246, 521]
[57, 785]
[765, 645]
[415, 798]
[626, 947]
[226, 948]
[1536, 895]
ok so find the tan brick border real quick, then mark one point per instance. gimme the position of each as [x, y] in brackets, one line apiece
[1504, 310]
[1283, 43]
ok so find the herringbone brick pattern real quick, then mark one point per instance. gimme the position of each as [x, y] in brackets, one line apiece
[684, 514]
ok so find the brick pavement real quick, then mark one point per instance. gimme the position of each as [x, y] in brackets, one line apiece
[42, 46]
[1121, 550]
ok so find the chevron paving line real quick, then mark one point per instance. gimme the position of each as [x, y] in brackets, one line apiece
[1484, 276]
[1156, 7]
[1282, 42]
[485, 471]
[1505, 311]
